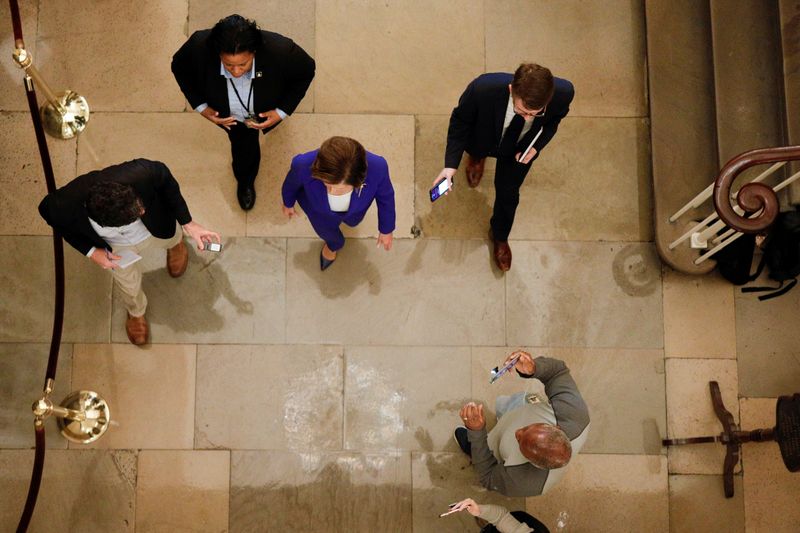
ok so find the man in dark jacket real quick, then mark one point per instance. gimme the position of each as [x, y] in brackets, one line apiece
[112, 215]
[243, 80]
[512, 118]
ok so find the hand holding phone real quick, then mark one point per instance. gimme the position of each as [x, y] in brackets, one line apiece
[440, 188]
[213, 247]
[497, 372]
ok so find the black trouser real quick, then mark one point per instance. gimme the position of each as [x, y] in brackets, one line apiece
[508, 178]
[245, 152]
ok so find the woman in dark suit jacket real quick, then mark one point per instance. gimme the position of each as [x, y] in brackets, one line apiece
[337, 183]
[244, 80]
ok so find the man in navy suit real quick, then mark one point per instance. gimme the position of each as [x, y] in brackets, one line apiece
[502, 115]
[244, 80]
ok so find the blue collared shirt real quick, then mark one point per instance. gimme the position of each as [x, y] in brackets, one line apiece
[242, 84]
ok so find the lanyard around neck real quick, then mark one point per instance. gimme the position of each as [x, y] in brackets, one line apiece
[249, 95]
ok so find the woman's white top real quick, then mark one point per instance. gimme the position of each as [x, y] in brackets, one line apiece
[339, 203]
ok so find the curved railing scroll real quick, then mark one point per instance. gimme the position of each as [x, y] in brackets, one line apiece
[753, 198]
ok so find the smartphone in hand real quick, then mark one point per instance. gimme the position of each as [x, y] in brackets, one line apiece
[441, 187]
[212, 247]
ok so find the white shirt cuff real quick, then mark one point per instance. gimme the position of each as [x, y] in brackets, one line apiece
[91, 251]
[201, 108]
[281, 113]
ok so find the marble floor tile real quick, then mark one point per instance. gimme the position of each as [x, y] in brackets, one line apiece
[26, 312]
[587, 294]
[22, 183]
[690, 413]
[611, 381]
[91, 491]
[420, 293]
[235, 296]
[196, 152]
[294, 20]
[611, 34]
[130, 66]
[440, 479]
[699, 316]
[403, 397]
[768, 347]
[149, 390]
[589, 160]
[12, 90]
[284, 491]
[192, 485]
[298, 411]
[609, 493]
[22, 371]
[771, 492]
[391, 137]
[381, 58]
[698, 504]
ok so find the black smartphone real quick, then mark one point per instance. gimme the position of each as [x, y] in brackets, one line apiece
[441, 187]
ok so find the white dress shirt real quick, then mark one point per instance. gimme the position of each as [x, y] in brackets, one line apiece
[510, 114]
[127, 235]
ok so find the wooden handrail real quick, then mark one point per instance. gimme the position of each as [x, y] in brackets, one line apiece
[752, 197]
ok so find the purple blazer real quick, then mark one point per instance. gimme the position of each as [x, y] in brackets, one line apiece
[312, 195]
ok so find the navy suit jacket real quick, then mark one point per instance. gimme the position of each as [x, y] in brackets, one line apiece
[476, 124]
[65, 208]
[283, 73]
[299, 186]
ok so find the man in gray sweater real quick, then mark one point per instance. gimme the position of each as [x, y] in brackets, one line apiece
[528, 450]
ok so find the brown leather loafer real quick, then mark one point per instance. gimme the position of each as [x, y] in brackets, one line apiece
[474, 170]
[502, 253]
[177, 260]
[136, 327]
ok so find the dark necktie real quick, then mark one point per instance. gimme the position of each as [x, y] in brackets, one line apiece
[508, 144]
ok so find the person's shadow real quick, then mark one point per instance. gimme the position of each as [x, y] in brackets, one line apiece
[351, 270]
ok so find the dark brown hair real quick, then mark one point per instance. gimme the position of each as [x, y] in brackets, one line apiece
[341, 160]
[533, 84]
[112, 204]
[233, 35]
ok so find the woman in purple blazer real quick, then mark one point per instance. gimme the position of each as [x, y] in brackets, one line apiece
[337, 183]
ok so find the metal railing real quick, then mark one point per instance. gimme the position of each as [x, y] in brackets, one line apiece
[752, 209]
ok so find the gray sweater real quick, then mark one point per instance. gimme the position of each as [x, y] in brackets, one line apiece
[571, 415]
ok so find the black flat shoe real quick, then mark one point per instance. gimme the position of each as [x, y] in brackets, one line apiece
[324, 263]
[247, 197]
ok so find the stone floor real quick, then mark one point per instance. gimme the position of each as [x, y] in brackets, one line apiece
[276, 398]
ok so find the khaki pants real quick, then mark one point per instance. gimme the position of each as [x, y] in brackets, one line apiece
[129, 280]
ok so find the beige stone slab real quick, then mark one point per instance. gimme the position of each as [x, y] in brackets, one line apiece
[699, 316]
[294, 20]
[767, 343]
[235, 296]
[303, 409]
[149, 390]
[91, 491]
[598, 295]
[611, 381]
[394, 57]
[12, 89]
[440, 479]
[26, 310]
[420, 293]
[283, 491]
[192, 485]
[389, 407]
[690, 413]
[196, 152]
[22, 182]
[22, 371]
[598, 45]
[771, 492]
[609, 493]
[117, 54]
[592, 182]
[391, 137]
[698, 503]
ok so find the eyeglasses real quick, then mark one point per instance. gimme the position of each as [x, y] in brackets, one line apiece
[531, 114]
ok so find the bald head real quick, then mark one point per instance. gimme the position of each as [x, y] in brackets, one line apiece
[544, 445]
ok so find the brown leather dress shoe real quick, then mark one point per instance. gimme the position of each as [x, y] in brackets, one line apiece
[136, 327]
[474, 170]
[177, 260]
[502, 253]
